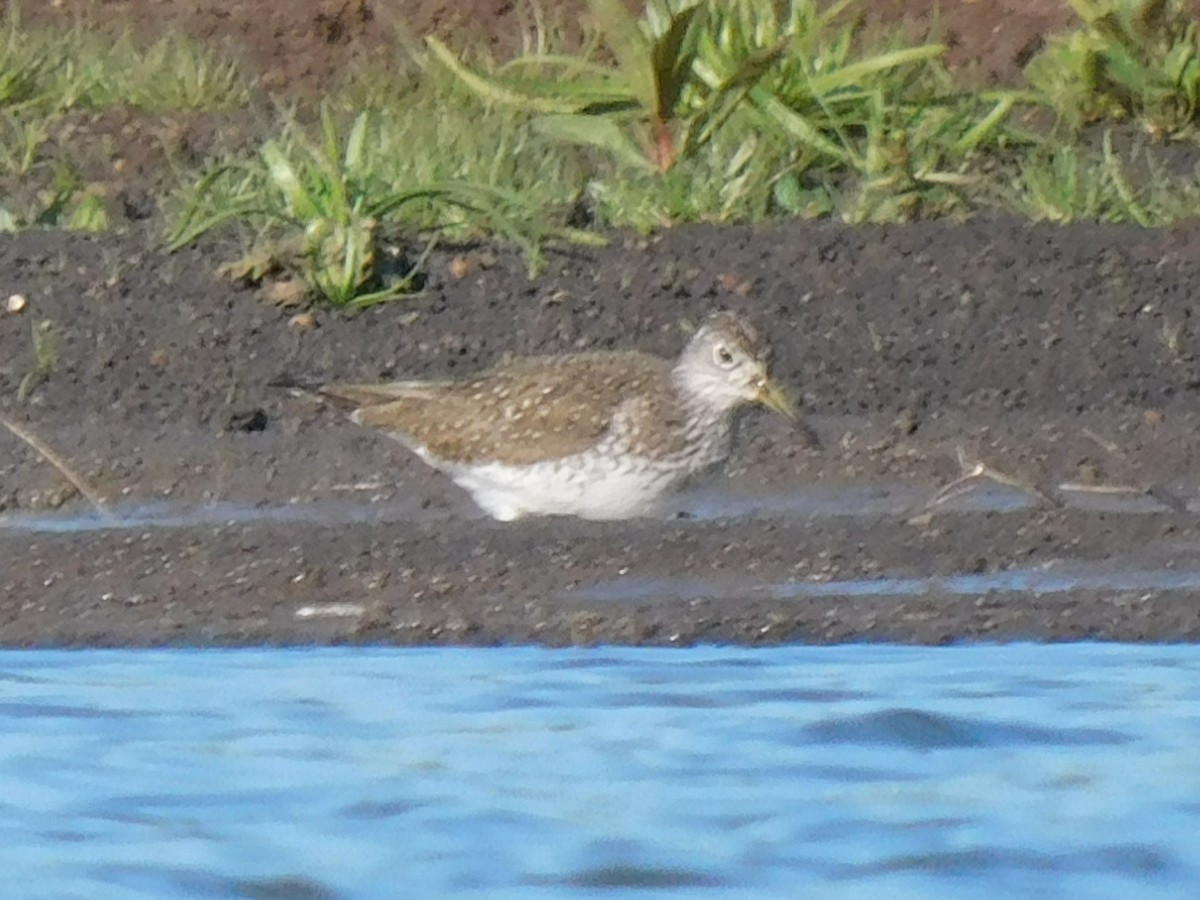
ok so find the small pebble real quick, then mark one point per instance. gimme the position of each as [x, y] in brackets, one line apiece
[303, 322]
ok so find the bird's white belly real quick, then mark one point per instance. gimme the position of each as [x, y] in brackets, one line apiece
[588, 486]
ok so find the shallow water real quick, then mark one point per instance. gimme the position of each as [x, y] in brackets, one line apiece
[1058, 578]
[805, 501]
[1021, 770]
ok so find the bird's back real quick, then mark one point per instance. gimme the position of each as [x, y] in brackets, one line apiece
[521, 413]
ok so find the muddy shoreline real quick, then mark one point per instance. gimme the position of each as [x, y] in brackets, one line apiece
[1065, 358]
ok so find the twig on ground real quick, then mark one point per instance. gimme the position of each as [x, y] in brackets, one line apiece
[1153, 490]
[57, 461]
[972, 471]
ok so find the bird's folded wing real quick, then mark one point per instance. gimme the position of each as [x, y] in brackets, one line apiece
[526, 413]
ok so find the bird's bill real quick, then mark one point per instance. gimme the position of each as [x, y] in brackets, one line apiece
[774, 398]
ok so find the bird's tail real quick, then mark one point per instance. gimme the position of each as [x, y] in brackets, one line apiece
[313, 387]
[290, 382]
[352, 396]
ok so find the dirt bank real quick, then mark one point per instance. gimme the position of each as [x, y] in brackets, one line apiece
[1059, 356]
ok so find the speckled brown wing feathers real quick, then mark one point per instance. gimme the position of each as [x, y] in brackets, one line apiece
[521, 413]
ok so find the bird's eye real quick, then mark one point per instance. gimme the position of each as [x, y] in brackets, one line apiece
[723, 357]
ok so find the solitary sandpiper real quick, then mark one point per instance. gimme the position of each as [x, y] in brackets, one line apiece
[595, 435]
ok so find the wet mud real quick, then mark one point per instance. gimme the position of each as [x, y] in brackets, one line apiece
[1061, 362]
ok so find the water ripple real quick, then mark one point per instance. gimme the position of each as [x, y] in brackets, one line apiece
[919, 730]
[838, 772]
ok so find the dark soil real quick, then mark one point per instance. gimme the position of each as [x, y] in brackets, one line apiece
[1052, 354]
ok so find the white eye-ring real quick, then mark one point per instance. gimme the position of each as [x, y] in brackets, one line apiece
[722, 356]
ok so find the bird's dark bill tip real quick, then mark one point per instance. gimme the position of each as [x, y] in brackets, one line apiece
[774, 398]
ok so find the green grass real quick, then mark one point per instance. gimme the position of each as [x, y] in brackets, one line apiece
[52, 70]
[49, 74]
[700, 110]
[322, 207]
[327, 200]
[1070, 184]
[1136, 59]
[44, 340]
[779, 98]
[725, 111]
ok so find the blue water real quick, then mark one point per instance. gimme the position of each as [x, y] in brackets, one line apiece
[872, 772]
